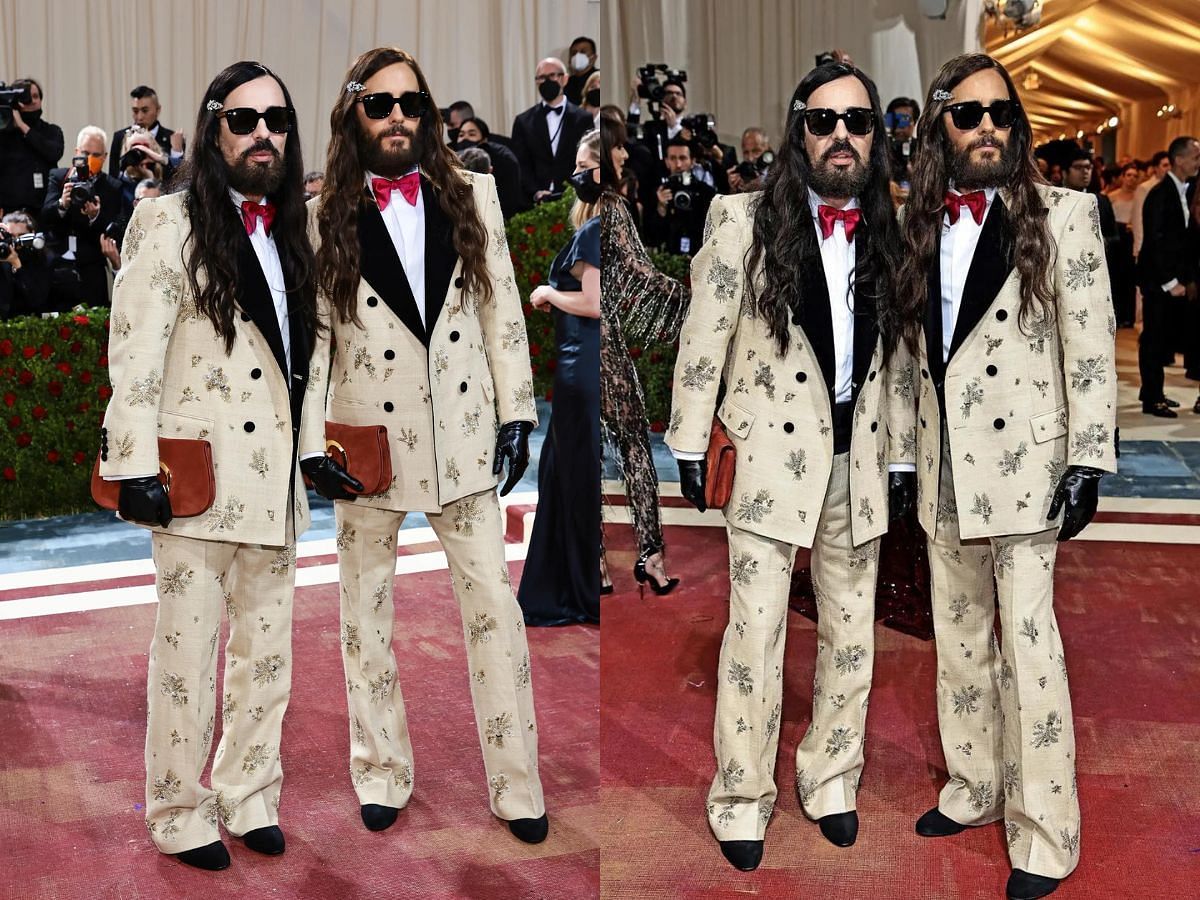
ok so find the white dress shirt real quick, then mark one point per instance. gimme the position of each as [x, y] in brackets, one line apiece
[555, 116]
[837, 258]
[405, 223]
[958, 250]
[272, 269]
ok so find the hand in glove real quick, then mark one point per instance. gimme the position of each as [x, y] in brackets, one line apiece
[902, 494]
[329, 479]
[1077, 494]
[145, 501]
[512, 443]
[691, 482]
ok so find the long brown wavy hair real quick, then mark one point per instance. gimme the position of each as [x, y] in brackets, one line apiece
[1032, 249]
[217, 229]
[338, 270]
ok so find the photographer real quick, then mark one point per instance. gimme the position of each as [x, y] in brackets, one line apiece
[141, 159]
[675, 220]
[901, 121]
[81, 203]
[710, 158]
[757, 156]
[29, 146]
[145, 108]
[24, 275]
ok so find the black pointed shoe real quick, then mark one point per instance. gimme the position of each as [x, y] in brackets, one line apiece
[1172, 404]
[1159, 410]
[744, 855]
[531, 831]
[934, 824]
[377, 817]
[840, 829]
[212, 857]
[1027, 886]
[268, 841]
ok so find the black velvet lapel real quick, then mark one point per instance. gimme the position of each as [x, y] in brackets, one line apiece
[254, 297]
[866, 322]
[815, 316]
[440, 255]
[933, 316]
[381, 267]
[301, 349]
[990, 267]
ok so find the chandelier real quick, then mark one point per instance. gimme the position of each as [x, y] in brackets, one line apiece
[1021, 14]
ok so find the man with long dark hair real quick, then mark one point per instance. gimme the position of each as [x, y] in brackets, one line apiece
[214, 322]
[793, 302]
[1004, 298]
[431, 344]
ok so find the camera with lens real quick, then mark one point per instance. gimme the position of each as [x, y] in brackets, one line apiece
[9, 98]
[703, 128]
[136, 156]
[653, 79]
[22, 243]
[116, 230]
[82, 182]
[683, 195]
[749, 169]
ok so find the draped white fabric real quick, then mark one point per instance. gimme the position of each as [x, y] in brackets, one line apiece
[89, 55]
[744, 59]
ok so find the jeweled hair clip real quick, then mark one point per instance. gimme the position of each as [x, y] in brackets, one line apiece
[354, 87]
[213, 105]
[799, 106]
[941, 95]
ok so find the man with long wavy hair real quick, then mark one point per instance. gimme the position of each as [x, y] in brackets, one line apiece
[430, 343]
[1005, 301]
[793, 302]
[214, 322]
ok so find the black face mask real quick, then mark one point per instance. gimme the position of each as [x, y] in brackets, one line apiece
[451, 136]
[549, 90]
[32, 116]
[586, 187]
[593, 97]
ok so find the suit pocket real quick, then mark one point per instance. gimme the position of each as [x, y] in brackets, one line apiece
[182, 425]
[1048, 426]
[736, 420]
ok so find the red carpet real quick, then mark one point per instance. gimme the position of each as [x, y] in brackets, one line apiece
[72, 704]
[1129, 619]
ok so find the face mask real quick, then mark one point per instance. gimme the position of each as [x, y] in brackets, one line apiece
[579, 62]
[586, 187]
[94, 165]
[549, 90]
[593, 97]
[32, 116]
[452, 135]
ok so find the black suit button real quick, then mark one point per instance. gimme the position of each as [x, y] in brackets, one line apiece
[991, 370]
[925, 373]
[104, 455]
[454, 336]
[104, 432]
[463, 387]
[1001, 315]
[388, 407]
[372, 301]
[796, 321]
[458, 282]
[256, 373]
[789, 427]
[245, 317]
[998, 424]
[802, 377]
[871, 377]
[248, 427]
[389, 354]
[874, 426]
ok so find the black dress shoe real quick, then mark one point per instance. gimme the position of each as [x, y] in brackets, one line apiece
[1027, 886]
[1196, 408]
[531, 831]
[212, 857]
[1159, 410]
[268, 840]
[840, 829]
[934, 824]
[744, 855]
[1174, 404]
[377, 817]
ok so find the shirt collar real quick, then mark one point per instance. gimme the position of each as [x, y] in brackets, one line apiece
[1180, 186]
[814, 200]
[369, 176]
[239, 198]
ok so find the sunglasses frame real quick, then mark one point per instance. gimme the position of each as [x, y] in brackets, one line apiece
[288, 111]
[423, 99]
[1011, 105]
[839, 117]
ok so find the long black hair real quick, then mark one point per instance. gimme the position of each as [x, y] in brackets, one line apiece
[216, 229]
[784, 236]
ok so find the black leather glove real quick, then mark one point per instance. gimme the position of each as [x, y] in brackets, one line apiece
[691, 482]
[512, 443]
[902, 494]
[145, 501]
[328, 478]
[1077, 494]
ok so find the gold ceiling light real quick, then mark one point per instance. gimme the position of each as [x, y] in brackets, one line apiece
[1169, 111]
[1032, 81]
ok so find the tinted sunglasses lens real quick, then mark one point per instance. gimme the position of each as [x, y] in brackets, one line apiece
[858, 121]
[242, 120]
[278, 119]
[414, 104]
[820, 122]
[1002, 112]
[967, 116]
[378, 106]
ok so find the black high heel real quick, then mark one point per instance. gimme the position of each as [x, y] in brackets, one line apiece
[642, 576]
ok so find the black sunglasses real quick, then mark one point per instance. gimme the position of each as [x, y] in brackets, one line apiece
[969, 115]
[413, 104]
[244, 119]
[822, 122]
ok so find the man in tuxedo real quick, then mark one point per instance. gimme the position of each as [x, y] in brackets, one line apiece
[74, 228]
[431, 345]
[145, 109]
[1005, 301]
[544, 137]
[1168, 270]
[214, 322]
[676, 212]
[809, 407]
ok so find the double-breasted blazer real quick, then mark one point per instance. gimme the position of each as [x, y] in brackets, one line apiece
[779, 411]
[172, 377]
[443, 387]
[1021, 400]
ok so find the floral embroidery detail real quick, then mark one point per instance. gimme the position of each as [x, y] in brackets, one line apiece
[908, 443]
[381, 686]
[452, 471]
[498, 728]
[513, 336]
[215, 379]
[227, 515]
[479, 629]
[676, 421]
[1029, 631]
[1012, 781]
[258, 462]
[1079, 271]
[145, 391]
[176, 581]
[992, 343]
[1041, 330]
[732, 775]
[723, 324]
[283, 561]
[849, 659]
[1012, 461]
[408, 437]
[380, 595]
[966, 700]
[765, 378]
[1070, 841]
[979, 795]
[363, 360]
[698, 375]
[168, 281]
[345, 537]
[1080, 316]
[523, 395]
[1048, 732]
[268, 669]
[350, 639]
[173, 686]
[403, 776]
[839, 740]
[467, 515]
[903, 386]
[723, 278]
[740, 675]
[523, 673]
[773, 720]
[470, 423]
[1055, 468]
[754, 510]
[1090, 442]
[1088, 372]
[1003, 560]
[257, 755]
[865, 511]
[796, 464]
[982, 507]
[499, 785]
[167, 787]
[972, 395]
[960, 606]
[805, 787]
[742, 568]
[441, 364]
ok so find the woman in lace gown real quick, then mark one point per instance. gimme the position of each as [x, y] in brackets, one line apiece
[654, 303]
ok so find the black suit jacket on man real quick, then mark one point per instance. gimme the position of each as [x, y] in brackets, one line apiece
[1170, 249]
[540, 169]
[59, 225]
[25, 162]
[162, 138]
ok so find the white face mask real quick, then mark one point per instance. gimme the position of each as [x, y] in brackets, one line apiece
[579, 61]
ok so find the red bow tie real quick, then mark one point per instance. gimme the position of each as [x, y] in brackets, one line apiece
[849, 218]
[409, 186]
[252, 212]
[976, 201]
